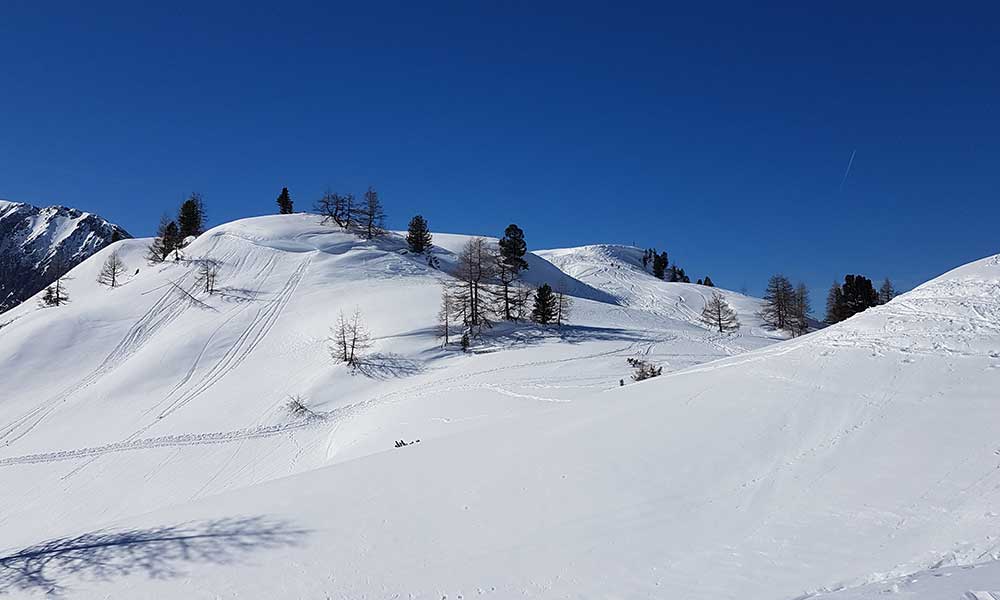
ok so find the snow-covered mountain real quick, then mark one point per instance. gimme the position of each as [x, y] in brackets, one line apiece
[146, 450]
[38, 245]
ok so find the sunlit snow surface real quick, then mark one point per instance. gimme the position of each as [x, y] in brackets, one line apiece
[155, 415]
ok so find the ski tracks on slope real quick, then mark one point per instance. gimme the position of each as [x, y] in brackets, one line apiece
[321, 419]
[244, 345]
[164, 311]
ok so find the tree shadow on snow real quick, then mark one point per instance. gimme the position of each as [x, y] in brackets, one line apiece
[388, 366]
[158, 552]
[237, 295]
[526, 334]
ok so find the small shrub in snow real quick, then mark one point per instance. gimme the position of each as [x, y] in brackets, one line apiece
[643, 369]
[296, 405]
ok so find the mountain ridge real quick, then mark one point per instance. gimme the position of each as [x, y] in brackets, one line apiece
[40, 244]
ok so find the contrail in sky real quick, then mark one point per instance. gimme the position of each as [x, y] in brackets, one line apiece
[848, 171]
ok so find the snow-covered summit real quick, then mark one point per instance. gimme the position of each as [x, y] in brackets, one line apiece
[37, 245]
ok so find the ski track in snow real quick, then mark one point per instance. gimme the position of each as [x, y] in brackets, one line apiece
[322, 419]
[251, 337]
[164, 311]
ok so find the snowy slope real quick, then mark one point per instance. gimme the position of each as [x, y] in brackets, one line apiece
[618, 271]
[174, 394]
[147, 454]
[37, 245]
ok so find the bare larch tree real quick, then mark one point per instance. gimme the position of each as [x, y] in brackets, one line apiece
[208, 272]
[335, 207]
[475, 268]
[779, 303]
[370, 216]
[350, 339]
[717, 314]
[112, 270]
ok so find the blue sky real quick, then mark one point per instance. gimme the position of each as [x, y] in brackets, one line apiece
[721, 134]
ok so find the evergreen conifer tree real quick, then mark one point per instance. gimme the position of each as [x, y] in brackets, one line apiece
[510, 262]
[513, 248]
[418, 237]
[545, 308]
[166, 241]
[858, 294]
[835, 304]
[172, 240]
[191, 217]
[284, 202]
[659, 264]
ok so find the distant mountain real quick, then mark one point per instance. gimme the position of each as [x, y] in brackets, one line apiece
[38, 245]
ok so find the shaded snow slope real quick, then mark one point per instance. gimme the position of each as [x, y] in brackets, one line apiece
[618, 271]
[38, 245]
[540, 271]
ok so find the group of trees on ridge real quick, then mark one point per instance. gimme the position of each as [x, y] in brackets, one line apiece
[855, 295]
[173, 234]
[487, 287]
[657, 262]
[487, 284]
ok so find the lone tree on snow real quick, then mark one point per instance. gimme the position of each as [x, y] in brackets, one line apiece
[55, 294]
[418, 236]
[717, 314]
[335, 207]
[112, 270]
[284, 202]
[191, 218]
[544, 311]
[708, 281]
[350, 339]
[208, 272]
